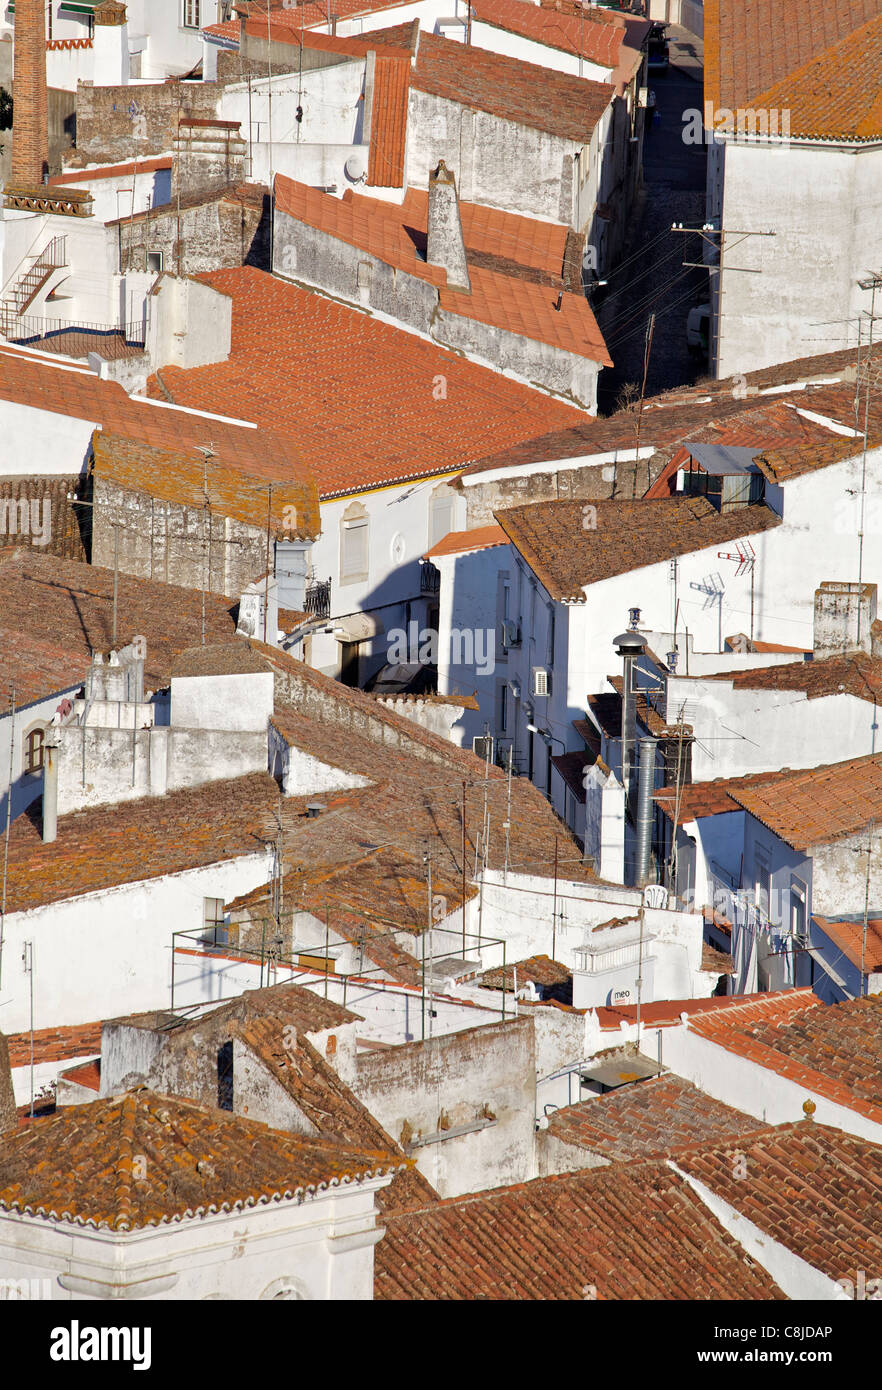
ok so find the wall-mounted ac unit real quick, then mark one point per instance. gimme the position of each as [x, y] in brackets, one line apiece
[483, 748]
[541, 681]
[511, 634]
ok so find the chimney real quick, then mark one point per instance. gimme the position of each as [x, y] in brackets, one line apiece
[445, 246]
[30, 136]
[110, 44]
[8, 1115]
[50, 791]
[844, 616]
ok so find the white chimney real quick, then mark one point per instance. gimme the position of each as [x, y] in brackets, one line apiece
[445, 245]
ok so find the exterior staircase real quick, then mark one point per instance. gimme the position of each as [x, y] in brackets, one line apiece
[23, 291]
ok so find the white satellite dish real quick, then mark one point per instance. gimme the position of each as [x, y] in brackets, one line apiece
[355, 167]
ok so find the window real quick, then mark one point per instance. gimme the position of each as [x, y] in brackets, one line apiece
[214, 932]
[225, 1076]
[761, 880]
[33, 750]
[798, 893]
[502, 697]
[192, 14]
[354, 541]
[441, 515]
[154, 262]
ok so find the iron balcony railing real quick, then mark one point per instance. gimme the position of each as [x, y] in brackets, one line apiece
[73, 339]
[318, 598]
[430, 579]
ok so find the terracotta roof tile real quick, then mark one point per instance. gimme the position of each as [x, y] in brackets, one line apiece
[54, 613]
[389, 121]
[517, 293]
[600, 42]
[523, 93]
[855, 674]
[113, 171]
[635, 1232]
[818, 804]
[567, 558]
[220, 659]
[357, 396]
[234, 489]
[815, 1190]
[833, 1050]
[847, 935]
[748, 49]
[54, 1044]
[539, 970]
[77, 1165]
[464, 542]
[648, 1118]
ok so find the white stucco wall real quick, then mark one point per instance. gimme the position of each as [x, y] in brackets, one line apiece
[804, 301]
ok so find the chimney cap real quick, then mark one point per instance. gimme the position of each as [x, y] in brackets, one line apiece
[441, 174]
[630, 643]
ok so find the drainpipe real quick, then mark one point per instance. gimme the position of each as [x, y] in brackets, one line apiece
[50, 792]
[644, 810]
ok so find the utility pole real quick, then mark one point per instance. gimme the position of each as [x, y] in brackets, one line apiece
[706, 231]
[463, 870]
[872, 283]
[650, 329]
[554, 906]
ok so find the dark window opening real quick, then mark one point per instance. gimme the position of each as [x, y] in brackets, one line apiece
[225, 1076]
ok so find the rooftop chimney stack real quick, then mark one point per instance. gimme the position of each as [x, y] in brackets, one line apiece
[30, 135]
[844, 618]
[445, 245]
[50, 791]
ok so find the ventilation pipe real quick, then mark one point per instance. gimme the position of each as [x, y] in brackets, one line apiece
[644, 810]
[629, 646]
[50, 792]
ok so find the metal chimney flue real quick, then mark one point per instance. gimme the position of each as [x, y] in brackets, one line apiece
[644, 810]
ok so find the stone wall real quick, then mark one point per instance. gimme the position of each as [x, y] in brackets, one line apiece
[175, 544]
[117, 124]
[481, 1081]
[230, 230]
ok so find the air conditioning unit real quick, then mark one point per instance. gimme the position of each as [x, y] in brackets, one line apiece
[541, 681]
[511, 634]
[483, 748]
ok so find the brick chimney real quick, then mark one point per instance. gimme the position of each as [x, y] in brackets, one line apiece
[30, 133]
[445, 245]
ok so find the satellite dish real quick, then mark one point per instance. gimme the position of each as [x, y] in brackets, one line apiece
[355, 167]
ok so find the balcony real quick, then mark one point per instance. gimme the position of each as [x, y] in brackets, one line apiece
[318, 598]
[430, 578]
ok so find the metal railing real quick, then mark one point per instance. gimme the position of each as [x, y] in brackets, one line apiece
[72, 338]
[52, 257]
[430, 579]
[318, 598]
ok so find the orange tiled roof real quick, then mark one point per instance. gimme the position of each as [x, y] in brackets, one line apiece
[848, 937]
[113, 171]
[54, 613]
[513, 303]
[597, 41]
[833, 1050]
[568, 558]
[389, 121]
[812, 1188]
[540, 970]
[855, 674]
[652, 1117]
[633, 1232]
[463, 542]
[361, 399]
[106, 405]
[749, 48]
[819, 804]
[76, 1165]
[54, 1044]
[522, 93]
[236, 490]
[720, 795]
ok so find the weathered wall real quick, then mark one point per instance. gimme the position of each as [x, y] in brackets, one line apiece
[495, 161]
[97, 766]
[226, 232]
[430, 1087]
[120, 123]
[175, 544]
[551, 482]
